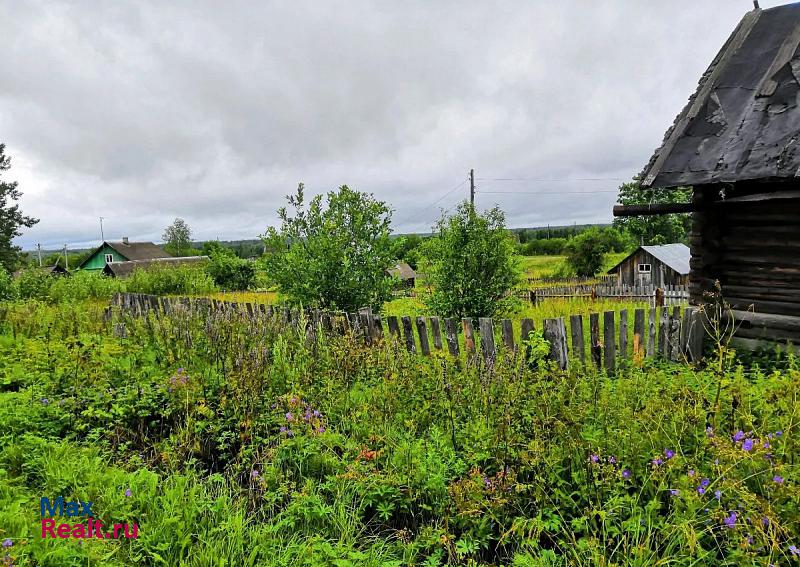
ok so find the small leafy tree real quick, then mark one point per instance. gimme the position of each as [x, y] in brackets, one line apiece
[332, 256]
[178, 238]
[11, 218]
[585, 252]
[656, 229]
[229, 271]
[471, 264]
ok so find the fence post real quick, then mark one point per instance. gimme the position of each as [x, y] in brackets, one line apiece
[663, 330]
[508, 335]
[609, 330]
[377, 327]
[638, 333]
[452, 336]
[469, 338]
[487, 339]
[437, 333]
[623, 334]
[675, 334]
[576, 330]
[422, 330]
[695, 335]
[394, 327]
[556, 334]
[594, 334]
[408, 331]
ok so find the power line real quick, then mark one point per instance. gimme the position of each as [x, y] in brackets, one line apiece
[439, 200]
[548, 192]
[553, 179]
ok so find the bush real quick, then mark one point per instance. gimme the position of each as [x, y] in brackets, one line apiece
[471, 265]
[544, 247]
[333, 256]
[33, 283]
[229, 272]
[84, 285]
[170, 280]
[7, 291]
[585, 252]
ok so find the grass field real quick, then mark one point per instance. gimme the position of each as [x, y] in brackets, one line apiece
[236, 441]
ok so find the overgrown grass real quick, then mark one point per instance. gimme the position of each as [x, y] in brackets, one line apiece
[247, 442]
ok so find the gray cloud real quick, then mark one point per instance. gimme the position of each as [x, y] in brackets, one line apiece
[144, 111]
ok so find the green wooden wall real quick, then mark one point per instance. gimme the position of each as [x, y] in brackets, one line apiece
[97, 261]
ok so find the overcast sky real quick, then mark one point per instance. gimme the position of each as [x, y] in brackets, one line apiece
[213, 111]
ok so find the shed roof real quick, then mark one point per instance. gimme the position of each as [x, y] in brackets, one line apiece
[125, 269]
[743, 122]
[676, 256]
[402, 270]
[139, 250]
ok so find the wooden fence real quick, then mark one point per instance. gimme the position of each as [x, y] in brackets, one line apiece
[655, 296]
[536, 283]
[606, 340]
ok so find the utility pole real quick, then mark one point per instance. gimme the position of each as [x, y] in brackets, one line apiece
[66, 259]
[102, 236]
[39, 250]
[472, 188]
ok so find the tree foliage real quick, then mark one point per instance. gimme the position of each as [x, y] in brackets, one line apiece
[656, 229]
[11, 218]
[471, 264]
[230, 272]
[585, 252]
[178, 238]
[332, 255]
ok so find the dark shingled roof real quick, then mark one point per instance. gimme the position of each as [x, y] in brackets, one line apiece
[139, 250]
[743, 122]
[125, 269]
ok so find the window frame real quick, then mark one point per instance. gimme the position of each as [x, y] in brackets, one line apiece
[109, 258]
[649, 269]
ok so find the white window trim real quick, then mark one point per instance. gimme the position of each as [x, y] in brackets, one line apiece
[109, 258]
[641, 270]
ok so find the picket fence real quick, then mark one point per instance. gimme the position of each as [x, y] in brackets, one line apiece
[664, 332]
[655, 296]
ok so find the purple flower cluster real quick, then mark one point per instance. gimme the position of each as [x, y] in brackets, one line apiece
[611, 460]
[178, 380]
[301, 413]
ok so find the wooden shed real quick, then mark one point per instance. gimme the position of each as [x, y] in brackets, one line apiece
[126, 268]
[404, 273]
[664, 265]
[122, 251]
[737, 143]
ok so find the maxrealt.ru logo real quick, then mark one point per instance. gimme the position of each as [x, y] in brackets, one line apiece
[92, 528]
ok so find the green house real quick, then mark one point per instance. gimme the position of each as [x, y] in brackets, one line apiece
[124, 251]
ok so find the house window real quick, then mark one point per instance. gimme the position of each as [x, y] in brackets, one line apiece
[644, 268]
[109, 258]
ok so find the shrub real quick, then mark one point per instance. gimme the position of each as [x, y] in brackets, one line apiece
[7, 290]
[471, 265]
[332, 256]
[84, 284]
[585, 252]
[33, 283]
[228, 271]
[170, 280]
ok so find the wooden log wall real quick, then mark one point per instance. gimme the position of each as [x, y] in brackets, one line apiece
[752, 249]
[606, 341]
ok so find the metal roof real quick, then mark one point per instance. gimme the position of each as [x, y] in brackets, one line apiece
[676, 256]
[743, 122]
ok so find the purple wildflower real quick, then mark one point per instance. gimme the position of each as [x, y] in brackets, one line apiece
[128, 493]
[709, 431]
[778, 433]
[738, 436]
[254, 474]
[283, 429]
[594, 458]
[669, 453]
[747, 445]
[765, 521]
[691, 472]
[612, 460]
[7, 543]
[701, 490]
[486, 482]
[705, 482]
[674, 491]
[717, 494]
[777, 479]
[289, 416]
[45, 401]
[320, 429]
[730, 521]
[657, 461]
[766, 444]
[794, 551]
[316, 413]
[626, 473]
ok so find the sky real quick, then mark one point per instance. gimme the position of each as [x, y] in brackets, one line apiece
[144, 111]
